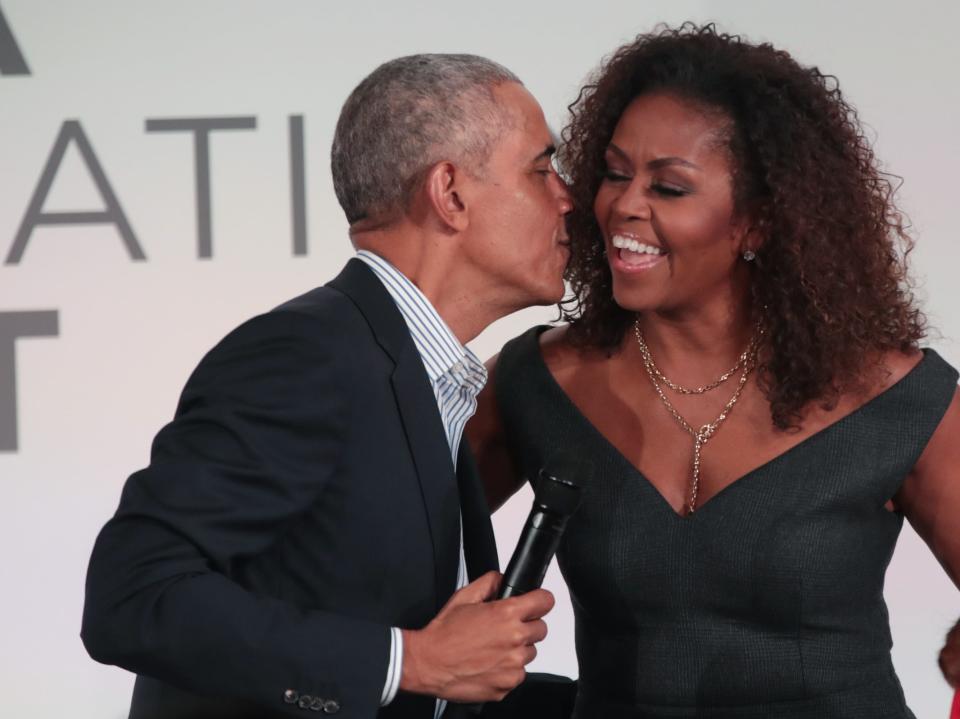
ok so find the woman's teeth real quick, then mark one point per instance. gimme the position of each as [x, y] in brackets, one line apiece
[626, 243]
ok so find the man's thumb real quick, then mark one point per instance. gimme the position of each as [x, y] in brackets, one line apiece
[479, 590]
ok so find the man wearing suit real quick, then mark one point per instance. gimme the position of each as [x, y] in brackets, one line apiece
[297, 542]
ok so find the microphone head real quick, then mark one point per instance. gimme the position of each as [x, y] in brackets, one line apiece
[560, 496]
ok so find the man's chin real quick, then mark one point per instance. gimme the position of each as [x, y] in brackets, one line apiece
[547, 293]
[553, 295]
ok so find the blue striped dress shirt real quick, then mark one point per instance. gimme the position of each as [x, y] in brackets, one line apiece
[456, 376]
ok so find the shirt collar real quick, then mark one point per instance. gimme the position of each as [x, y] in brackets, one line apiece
[439, 348]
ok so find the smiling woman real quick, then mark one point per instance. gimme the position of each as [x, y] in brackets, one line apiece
[742, 365]
[804, 182]
[666, 161]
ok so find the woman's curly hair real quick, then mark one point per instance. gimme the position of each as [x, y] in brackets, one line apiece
[830, 275]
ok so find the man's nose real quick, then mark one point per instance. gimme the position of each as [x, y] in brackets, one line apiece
[564, 199]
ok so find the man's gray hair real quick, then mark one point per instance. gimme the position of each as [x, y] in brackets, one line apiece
[406, 116]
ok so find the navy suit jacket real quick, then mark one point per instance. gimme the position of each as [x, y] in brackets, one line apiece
[302, 501]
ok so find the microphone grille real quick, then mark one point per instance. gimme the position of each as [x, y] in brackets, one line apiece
[556, 495]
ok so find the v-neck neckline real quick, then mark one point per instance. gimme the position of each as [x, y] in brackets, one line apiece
[759, 469]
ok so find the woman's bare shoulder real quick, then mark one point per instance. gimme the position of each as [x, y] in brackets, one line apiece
[880, 371]
[563, 358]
[897, 365]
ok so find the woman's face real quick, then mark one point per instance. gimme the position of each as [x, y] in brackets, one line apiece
[665, 208]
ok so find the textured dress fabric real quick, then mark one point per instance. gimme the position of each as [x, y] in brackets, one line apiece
[766, 602]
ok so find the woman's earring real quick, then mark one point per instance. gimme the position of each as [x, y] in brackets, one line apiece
[749, 255]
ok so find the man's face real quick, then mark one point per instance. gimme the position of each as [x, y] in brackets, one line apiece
[517, 237]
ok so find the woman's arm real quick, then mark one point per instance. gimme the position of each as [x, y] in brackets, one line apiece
[930, 499]
[485, 434]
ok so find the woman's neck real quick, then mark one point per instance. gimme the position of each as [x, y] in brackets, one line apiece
[693, 348]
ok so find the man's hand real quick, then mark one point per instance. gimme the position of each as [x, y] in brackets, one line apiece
[475, 650]
[950, 657]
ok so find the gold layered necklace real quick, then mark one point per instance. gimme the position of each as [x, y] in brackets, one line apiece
[744, 365]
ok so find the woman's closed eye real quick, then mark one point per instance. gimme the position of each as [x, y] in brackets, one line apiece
[668, 190]
[661, 188]
[615, 176]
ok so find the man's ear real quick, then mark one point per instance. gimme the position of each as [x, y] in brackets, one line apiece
[443, 188]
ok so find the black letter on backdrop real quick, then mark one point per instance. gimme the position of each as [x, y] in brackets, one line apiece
[37, 323]
[298, 186]
[11, 59]
[112, 215]
[201, 127]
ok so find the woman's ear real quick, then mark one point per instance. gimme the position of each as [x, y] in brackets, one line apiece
[752, 236]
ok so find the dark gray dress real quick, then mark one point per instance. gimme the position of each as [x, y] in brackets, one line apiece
[768, 601]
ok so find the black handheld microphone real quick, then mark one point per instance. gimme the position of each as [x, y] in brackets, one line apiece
[555, 500]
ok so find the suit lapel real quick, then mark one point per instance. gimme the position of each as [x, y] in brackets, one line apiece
[431, 455]
[420, 417]
[479, 547]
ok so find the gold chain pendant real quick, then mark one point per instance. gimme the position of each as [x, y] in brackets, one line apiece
[700, 436]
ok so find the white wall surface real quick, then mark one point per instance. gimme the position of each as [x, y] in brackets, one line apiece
[91, 398]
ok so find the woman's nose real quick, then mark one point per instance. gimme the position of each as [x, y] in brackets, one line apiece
[632, 203]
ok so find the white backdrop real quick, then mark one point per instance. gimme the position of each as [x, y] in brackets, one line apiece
[91, 394]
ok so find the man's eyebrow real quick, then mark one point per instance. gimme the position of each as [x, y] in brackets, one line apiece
[654, 164]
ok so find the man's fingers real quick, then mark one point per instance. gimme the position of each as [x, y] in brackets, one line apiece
[485, 644]
[510, 678]
[536, 631]
[479, 590]
[531, 605]
[527, 654]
